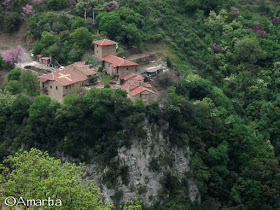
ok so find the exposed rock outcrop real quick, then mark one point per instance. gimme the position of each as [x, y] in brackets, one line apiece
[148, 161]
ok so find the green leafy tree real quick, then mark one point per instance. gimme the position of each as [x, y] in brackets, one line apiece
[11, 22]
[82, 37]
[20, 108]
[248, 50]
[14, 74]
[14, 87]
[35, 174]
[110, 23]
[92, 60]
[29, 83]
[75, 54]
[56, 4]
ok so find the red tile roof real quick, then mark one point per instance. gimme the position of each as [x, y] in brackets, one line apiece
[124, 86]
[140, 89]
[139, 78]
[147, 85]
[117, 61]
[128, 76]
[46, 58]
[39, 56]
[100, 85]
[104, 42]
[65, 77]
[82, 68]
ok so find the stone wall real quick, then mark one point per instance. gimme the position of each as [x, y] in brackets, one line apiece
[102, 51]
[123, 70]
[54, 90]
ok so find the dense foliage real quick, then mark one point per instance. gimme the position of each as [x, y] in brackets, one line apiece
[226, 107]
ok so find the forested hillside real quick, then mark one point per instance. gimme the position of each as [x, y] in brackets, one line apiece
[224, 112]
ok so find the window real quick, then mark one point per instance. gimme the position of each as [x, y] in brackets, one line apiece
[56, 87]
[126, 68]
[66, 87]
[51, 87]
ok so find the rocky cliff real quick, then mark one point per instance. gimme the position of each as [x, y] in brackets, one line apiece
[144, 166]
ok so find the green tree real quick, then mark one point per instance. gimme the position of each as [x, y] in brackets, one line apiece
[29, 83]
[11, 22]
[110, 23]
[20, 108]
[56, 4]
[75, 54]
[82, 37]
[14, 87]
[92, 60]
[248, 50]
[14, 74]
[35, 174]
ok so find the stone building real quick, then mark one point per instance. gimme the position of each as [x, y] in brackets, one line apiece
[117, 67]
[136, 88]
[104, 47]
[123, 71]
[105, 50]
[68, 81]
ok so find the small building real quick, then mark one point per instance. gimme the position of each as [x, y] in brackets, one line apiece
[104, 47]
[137, 88]
[117, 67]
[147, 95]
[154, 71]
[68, 81]
[46, 60]
[127, 77]
[39, 58]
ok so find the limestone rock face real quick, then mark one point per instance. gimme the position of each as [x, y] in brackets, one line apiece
[144, 178]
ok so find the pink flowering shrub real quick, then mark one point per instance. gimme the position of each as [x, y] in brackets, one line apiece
[216, 48]
[235, 10]
[38, 1]
[28, 10]
[6, 2]
[71, 2]
[275, 20]
[257, 28]
[11, 56]
[113, 5]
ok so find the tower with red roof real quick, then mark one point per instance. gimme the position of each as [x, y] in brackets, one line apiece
[104, 47]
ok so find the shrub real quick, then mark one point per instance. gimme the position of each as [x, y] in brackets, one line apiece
[91, 60]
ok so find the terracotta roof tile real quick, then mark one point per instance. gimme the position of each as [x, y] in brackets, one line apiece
[139, 78]
[140, 89]
[128, 76]
[39, 56]
[104, 42]
[117, 61]
[64, 77]
[124, 86]
[147, 85]
[82, 68]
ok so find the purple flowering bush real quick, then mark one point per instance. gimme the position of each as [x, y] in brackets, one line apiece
[113, 5]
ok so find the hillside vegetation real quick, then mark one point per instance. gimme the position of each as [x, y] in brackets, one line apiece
[225, 108]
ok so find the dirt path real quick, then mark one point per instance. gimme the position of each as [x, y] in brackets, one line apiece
[4, 45]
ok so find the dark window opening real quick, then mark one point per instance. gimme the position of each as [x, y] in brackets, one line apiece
[56, 87]
[51, 87]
